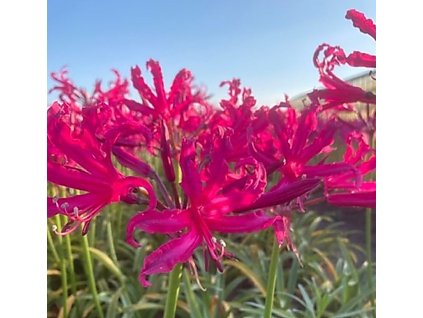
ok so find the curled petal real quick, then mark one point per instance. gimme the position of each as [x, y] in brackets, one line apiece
[125, 185]
[167, 256]
[360, 21]
[156, 71]
[181, 84]
[140, 84]
[152, 221]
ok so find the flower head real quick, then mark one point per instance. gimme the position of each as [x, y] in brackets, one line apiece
[76, 159]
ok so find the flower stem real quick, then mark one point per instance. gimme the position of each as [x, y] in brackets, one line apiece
[369, 254]
[90, 274]
[63, 273]
[71, 269]
[271, 282]
[110, 242]
[190, 296]
[173, 291]
[52, 248]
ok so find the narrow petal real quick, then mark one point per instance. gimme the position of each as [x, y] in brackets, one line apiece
[282, 194]
[360, 59]
[135, 106]
[74, 178]
[191, 181]
[84, 149]
[355, 199]
[360, 21]
[156, 71]
[134, 163]
[166, 154]
[243, 223]
[331, 169]
[167, 256]
[52, 208]
[140, 84]
[307, 125]
[281, 231]
[83, 203]
[153, 221]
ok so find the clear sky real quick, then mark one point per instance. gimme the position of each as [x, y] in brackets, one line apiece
[268, 44]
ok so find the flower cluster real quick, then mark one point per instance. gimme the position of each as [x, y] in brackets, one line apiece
[232, 168]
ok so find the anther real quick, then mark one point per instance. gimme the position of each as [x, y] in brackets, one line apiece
[222, 242]
[54, 229]
[223, 245]
[64, 206]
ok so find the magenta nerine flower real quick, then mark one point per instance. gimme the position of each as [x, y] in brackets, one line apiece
[208, 210]
[242, 168]
[76, 159]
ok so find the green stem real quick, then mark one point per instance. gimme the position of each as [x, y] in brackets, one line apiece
[271, 283]
[190, 296]
[63, 273]
[369, 254]
[52, 248]
[64, 287]
[110, 242]
[173, 292]
[71, 270]
[90, 274]
[91, 233]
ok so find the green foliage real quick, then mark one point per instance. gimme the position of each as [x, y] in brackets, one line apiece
[328, 282]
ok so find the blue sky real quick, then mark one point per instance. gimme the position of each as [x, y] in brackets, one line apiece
[268, 44]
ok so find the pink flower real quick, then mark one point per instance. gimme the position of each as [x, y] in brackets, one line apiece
[208, 210]
[337, 91]
[76, 159]
[182, 105]
[76, 96]
[236, 119]
[302, 137]
[343, 190]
